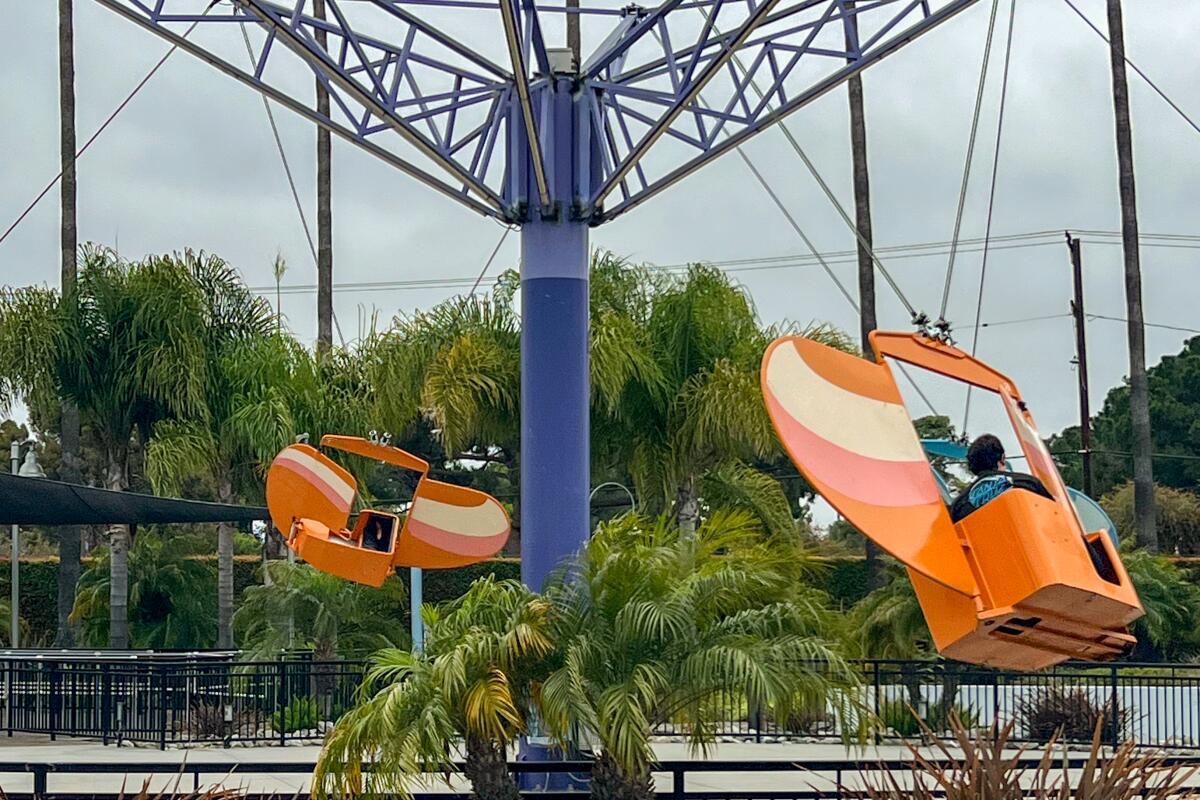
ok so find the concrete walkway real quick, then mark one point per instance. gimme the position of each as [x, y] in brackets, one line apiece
[39, 749]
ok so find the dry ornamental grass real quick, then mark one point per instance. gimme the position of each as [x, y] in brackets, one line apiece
[988, 769]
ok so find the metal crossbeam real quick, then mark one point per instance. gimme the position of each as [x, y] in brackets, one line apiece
[460, 120]
[521, 81]
[794, 51]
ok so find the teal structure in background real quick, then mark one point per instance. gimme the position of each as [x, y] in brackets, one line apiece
[1091, 514]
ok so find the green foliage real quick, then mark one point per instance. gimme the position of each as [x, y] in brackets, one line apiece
[1070, 715]
[1171, 628]
[1176, 514]
[303, 608]
[474, 682]
[300, 714]
[168, 605]
[888, 623]
[899, 717]
[653, 624]
[1174, 426]
[846, 581]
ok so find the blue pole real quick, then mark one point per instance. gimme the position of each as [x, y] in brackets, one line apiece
[416, 596]
[554, 360]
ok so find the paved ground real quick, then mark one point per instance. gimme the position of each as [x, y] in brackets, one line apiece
[27, 749]
[38, 749]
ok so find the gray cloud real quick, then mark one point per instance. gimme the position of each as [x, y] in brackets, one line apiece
[191, 163]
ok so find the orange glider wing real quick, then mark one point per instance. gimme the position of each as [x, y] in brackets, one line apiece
[451, 526]
[843, 423]
[303, 482]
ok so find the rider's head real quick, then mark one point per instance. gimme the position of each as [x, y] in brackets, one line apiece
[986, 453]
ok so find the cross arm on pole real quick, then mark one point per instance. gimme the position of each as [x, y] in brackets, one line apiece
[521, 81]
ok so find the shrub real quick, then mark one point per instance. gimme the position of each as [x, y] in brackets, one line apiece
[1069, 715]
[206, 720]
[300, 714]
[986, 770]
[900, 717]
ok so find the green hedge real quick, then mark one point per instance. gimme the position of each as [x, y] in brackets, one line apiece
[846, 582]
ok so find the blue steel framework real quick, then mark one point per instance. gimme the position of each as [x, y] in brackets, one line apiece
[531, 139]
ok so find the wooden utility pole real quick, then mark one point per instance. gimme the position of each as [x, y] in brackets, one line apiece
[324, 208]
[1085, 414]
[1139, 393]
[69, 536]
[866, 264]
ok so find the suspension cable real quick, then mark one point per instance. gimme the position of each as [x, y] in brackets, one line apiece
[966, 179]
[795, 145]
[987, 232]
[800, 231]
[1137, 69]
[287, 170]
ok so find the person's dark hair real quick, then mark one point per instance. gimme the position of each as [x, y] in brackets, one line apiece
[985, 454]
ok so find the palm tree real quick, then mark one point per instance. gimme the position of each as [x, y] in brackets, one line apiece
[123, 347]
[324, 208]
[475, 682]
[220, 446]
[169, 605]
[656, 624]
[694, 420]
[69, 543]
[1139, 392]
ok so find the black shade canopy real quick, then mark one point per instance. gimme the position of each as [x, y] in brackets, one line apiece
[37, 501]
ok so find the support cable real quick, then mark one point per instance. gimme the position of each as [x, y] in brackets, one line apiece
[942, 324]
[987, 231]
[804, 238]
[812, 168]
[1137, 69]
[287, 170]
[487, 264]
[104, 125]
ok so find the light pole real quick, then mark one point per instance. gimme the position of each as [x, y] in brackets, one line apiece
[30, 469]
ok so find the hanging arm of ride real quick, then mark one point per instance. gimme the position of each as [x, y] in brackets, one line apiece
[414, 94]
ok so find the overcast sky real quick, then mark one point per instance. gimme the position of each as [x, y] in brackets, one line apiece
[191, 163]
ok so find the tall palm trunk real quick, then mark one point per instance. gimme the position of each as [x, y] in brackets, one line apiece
[610, 782]
[486, 767]
[324, 210]
[866, 267]
[687, 507]
[118, 544]
[68, 536]
[225, 533]
[1139, 393]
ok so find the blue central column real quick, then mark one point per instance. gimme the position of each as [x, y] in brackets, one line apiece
[555, 385]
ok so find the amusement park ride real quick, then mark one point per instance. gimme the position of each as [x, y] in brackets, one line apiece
[1019, 583]
[467, 97]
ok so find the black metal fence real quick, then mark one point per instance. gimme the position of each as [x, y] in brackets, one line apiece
[176, 700]
[165, 699]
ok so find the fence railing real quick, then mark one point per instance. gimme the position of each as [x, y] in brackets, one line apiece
[217, 698]
[674, 780]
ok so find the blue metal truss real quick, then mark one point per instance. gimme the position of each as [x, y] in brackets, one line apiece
[473, 126]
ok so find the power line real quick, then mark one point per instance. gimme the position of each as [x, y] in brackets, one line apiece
[1147, 324]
